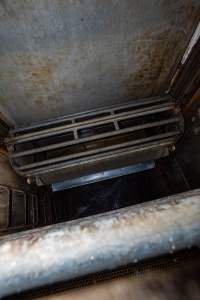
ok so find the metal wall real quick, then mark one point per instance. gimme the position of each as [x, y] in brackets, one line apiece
[62, 57]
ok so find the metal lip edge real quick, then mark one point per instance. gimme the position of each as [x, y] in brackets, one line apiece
[105, 109]
[98, 157]
[102, 176]
[68, 128]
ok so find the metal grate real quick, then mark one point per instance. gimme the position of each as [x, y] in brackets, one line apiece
[96, 141]
[18, 210]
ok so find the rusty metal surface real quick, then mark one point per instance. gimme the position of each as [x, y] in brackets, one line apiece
[96, 142]
[74, 56]
[69, 250]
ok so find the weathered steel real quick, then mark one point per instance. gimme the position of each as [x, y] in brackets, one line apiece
[77, 55]
[4, 207]
[91, 113]
[17, 209]
[112, 159]
[80, 181]
[50, 152]
[96, 137]
[113, 114]
[60, 252]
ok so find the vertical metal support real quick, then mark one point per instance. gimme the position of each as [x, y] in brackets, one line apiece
[18, 208]
[4, 207]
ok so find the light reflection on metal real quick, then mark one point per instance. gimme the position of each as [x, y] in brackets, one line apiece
[68, 184]
[192, 43]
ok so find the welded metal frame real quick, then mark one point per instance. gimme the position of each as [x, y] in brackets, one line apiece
[103, 156]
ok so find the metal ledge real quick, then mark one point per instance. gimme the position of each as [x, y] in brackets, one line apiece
[71, 183]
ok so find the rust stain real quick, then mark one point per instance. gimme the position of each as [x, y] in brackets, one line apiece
[42, 75]
[42, 72]
[41, 78]
[32, 239]
[149, 53]
[189, 11]
[7, 8]
[192, 103]
[159, 55]
[40, 101]
[39, 73]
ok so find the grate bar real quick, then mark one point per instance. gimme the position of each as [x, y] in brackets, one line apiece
[96, 151]
[96, 142]
[90, 113]
[95, 137]
[86, 124]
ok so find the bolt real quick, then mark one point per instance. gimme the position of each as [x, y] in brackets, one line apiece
[29, 180]
[177, 110]
[193, 119]
[172, 148]
[196, 130]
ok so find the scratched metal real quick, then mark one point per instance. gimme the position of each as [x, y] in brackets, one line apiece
[69, 250]
[64, 57]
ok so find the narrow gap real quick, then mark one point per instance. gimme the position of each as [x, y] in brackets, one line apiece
[10, 209]
[129, 109]
[92, 117]
[94, 130]
[41, 127]
[103, 142]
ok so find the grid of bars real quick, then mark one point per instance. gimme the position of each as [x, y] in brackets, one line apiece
[75, 138]
[18, 210]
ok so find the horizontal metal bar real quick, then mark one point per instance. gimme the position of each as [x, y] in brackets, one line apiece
[69, 250]
[129, 149]
[95, 151]
[69, 118]
[84, 180]
[67, 128]
[96, 137]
